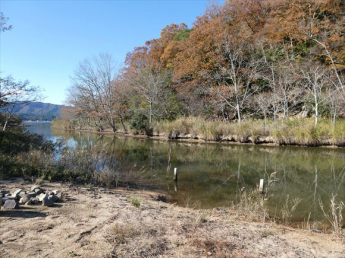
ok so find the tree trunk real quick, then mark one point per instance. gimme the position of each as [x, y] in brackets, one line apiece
[150, 119]
[8, 117]
[113, 128]
[5, 125]
[123, 125]
[334, 119]
[238, 113]
[316, 112]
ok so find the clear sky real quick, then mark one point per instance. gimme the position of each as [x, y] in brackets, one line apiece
[50, 38]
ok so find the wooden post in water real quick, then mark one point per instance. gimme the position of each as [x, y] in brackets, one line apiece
[261, 186]
[175, 174]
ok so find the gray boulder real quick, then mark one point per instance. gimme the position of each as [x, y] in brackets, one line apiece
[42, 196]
[47, 201]
[38, 191]
[31, 194]
[4, 192]
[10, 205]
[21, 195]
[59, 196]
[55, 192]
[34, 200]
[54, 198]
[17, 193]
[24, 199]
[34, 187]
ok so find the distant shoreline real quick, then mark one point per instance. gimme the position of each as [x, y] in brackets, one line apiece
[37, 121]
[226, 140]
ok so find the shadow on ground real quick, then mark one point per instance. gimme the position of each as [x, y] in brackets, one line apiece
[23, 212]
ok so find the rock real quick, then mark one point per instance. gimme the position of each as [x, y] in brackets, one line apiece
[8, 198]
[55, 192]
[10, 205]
[34, 187]
[31, 194]
[47, 201]
[59, 196]
[17, 193]
[54, 198]
[42, 196]
[38, 191]
[24, 199]
[21, 195]
[4, 192]
[34, 200]
[50, 193]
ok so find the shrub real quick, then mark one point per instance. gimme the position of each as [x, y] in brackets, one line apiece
[139, 121]
[135, 202]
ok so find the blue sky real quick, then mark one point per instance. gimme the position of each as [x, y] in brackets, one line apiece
[50, 38]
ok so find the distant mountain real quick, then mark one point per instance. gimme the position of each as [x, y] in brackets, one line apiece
[38, 111]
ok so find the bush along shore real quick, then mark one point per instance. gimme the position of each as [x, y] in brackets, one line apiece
[293, 131]
[30, 156]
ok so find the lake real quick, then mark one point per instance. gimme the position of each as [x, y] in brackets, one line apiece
[216, 175]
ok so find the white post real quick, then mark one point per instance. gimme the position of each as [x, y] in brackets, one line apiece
[175, 174]
[261, 186]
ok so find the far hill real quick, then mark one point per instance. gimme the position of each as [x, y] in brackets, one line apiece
[38, 111]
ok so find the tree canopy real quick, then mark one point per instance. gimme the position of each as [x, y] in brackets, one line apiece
[245, 58]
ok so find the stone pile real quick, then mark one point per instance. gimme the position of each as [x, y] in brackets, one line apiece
[36, 195]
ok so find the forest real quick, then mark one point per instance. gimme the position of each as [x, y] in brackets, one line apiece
[270, 61]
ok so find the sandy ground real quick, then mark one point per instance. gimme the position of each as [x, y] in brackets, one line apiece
[106, 223]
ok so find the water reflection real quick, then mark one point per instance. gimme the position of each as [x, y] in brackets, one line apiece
[214, 175]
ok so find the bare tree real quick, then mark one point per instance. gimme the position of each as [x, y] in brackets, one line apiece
[95, 91]
[288, 89]
[315, 85]
[3, 22]
[14, 95]
[152, 85]
[336, 103]
[264, 103]
[235, 79]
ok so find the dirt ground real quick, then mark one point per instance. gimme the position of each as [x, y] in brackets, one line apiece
[125, 223]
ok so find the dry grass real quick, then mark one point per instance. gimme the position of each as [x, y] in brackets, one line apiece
[252, 204]
[288, 209]
[211, 130]
[291, 131]
[335, 216]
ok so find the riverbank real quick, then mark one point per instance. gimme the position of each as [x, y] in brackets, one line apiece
[296, 132]
[130, 223]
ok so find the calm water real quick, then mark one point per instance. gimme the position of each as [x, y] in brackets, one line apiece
[213, 175]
